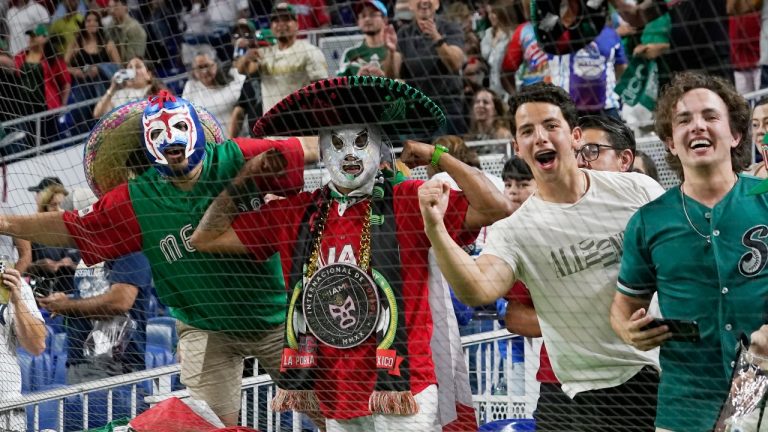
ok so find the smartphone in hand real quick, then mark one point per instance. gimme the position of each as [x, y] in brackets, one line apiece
[682, 330]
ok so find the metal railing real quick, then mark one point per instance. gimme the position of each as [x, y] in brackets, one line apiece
[490, 406]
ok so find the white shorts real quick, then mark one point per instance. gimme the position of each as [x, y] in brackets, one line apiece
[425, 420]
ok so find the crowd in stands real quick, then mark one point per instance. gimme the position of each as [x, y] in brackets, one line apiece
[241, 57]
[237, 59]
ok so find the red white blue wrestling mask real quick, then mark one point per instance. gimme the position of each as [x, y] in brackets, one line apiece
[173, 136]
[351, 154]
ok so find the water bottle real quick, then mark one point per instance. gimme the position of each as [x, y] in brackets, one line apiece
[375, 61]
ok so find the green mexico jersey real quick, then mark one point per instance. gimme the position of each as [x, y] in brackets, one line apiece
[722, 284]
[356, 57]
[207, 291]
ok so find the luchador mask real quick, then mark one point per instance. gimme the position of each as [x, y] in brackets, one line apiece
[171, 126]
[352, 154]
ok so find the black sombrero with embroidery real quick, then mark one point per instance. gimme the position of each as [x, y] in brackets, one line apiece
[398, 108]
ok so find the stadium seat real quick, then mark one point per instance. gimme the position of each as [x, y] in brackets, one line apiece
[97, 408]
[25, 364]
[161, 331]
[59, 348]
[509, 425]
[48, 416]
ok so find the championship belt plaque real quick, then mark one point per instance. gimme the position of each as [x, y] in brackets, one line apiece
[341, 305]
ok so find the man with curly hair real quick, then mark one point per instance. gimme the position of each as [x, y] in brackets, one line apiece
[702, 247]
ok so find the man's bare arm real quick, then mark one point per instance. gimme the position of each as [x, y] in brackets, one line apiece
[522, 319]
[24, 249]
[43, 228]
[486, 203]
[118, 300]
[629, 315]
[214, 232]
[475, 282]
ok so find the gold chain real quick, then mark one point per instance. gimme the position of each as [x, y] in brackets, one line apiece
[365, 242]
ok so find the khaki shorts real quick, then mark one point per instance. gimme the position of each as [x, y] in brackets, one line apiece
[212, 363]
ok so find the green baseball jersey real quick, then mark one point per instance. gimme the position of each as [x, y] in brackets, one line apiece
[358, 56]
[716, 277]
[208, 291]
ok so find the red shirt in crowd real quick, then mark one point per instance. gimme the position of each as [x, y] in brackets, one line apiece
[55, 77]
[519, 293]
[346, 377]
[745, 40]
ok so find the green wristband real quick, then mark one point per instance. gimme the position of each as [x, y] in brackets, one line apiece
[439, 150]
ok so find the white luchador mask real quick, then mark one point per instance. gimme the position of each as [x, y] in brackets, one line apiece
[351, 154]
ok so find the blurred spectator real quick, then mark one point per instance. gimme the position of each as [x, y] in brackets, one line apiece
[43, 185]
[20, 251]
[127, 33]
[111, 298]
[222, 13]
[57, 263]
[22, 16]
[503, 19]
[204, 30]
[432, 56]
[379, 41]
[196, 23]
[488, 120]
[143, 84]
[519, 183]
[289, 65]
[645, 165]
[745, 51]
[461, 14]
[699, 34]
[247, 41]
[61, 9]
[45, 79]
[403, 14]
[764, 45]
[311, 14]
[163, 39]
[638, 87]
[524, 63]
[67, 26]
[475, 77]
[21, 325]
[759, 129]
[213, 87]
[590, 74]
[92, 60]
[607, 144]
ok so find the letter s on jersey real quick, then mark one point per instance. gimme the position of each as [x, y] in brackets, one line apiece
[753, 262]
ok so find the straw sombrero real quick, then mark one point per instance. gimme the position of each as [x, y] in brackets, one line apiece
[400, 109]
[114, 152]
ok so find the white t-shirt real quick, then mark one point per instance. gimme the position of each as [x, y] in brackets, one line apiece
[285, 71]
[568, 255]
[10, 373]
[219, 101]
[21, 19]
[128, 94]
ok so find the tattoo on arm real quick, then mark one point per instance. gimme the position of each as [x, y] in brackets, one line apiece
[220, 214]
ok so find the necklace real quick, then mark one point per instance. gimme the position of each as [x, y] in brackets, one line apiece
[365, 240]
[708, 238]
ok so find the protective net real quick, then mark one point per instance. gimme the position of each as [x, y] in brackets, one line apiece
[293, 303]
